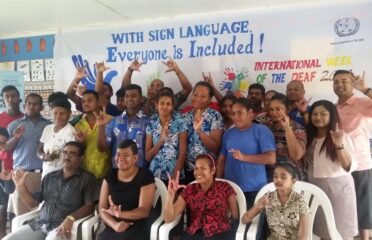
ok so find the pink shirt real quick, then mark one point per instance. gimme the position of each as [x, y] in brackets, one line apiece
[356, 117]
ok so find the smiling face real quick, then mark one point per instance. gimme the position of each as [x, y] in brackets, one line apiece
[226, 108]
[320, 117]
[275, 108]
[203, 171]
[295, 91]
[61, 116]
[200, 97]
[125, 158]
[154, 88]
[283, 180]
[343, 85]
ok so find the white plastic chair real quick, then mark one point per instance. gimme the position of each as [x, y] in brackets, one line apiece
[22, 219]
[314, 197]
[167, 227]
[90, 225]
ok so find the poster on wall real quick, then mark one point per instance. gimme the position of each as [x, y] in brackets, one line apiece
[24, 67]
[37, 70]
[11, 78]
[272, 46]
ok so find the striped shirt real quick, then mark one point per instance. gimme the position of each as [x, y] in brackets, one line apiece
[24, 153]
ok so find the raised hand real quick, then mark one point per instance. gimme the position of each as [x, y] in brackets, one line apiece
[302, 105]
[5, 175]
[113, 210]
[171, 65]
[19, 177]
[80, 135]
[135, 65]
[284, 121]
[100, 67]
[359, 82]
[19, 131]
[237, 154]
[80, 73]
[80, 88]
[263, 202]
[102, 118]
[208, 78]
[198, 121]
[173, 184]
[337, 137]
[164, 132]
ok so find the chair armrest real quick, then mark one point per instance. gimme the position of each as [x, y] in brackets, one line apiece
[76, 225]
[167, 227]
[21, 219]
[252, 231]
[155, 228]
[88, 226]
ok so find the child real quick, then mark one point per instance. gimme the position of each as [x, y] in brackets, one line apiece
[286, 211]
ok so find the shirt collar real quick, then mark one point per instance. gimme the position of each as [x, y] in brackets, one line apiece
[350, 101]
[59, 173]
[138, 115]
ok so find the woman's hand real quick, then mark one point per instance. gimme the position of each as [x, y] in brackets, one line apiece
[337, 137]
[173, 184]
[113, 210]
[198, 121]
[121, 226]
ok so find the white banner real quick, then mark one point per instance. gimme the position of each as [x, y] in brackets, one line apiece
[269, 46]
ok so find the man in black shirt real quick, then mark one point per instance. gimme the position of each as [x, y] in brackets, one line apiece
[68, 194]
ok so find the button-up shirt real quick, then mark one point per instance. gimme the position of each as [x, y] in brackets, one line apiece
[24, 152]
[121, 128]
[356, 118]
[63, 196]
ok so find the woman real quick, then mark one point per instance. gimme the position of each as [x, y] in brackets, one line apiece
[263, 118]
[205, 126]
[286, 211]
[126, 197]
[329, 165]
[209, 203]
[226, 106]
[166, 139]
[290, 137]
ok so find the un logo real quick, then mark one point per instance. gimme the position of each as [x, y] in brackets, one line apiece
[346, 26]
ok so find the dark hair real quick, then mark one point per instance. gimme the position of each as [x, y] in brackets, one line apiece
[244, 102]
[120, 92]
[271, 91]
[230, 97]
[9, 88]
[4, 132]
[109, 86]
[342, 71]
[35, 95]
[289, 168]
[78, 145]
[257, 86]
[165, 93]
[54, 96]
[207, 85]
[168, 89]
[211, 160]
[90, 91]
[311, 130]
[63, 103]
[283, 99]
[134, 87]
[129, 143]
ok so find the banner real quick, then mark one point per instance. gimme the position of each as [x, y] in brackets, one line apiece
[271, 46]
[11, 78]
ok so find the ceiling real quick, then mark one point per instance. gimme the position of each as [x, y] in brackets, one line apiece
[32, 17]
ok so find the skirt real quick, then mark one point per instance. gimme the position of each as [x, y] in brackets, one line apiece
[341, 193]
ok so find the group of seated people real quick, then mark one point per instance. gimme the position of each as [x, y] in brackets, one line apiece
[110, 154]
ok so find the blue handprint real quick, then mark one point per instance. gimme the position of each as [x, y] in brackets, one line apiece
[90, 79]
[226, 85]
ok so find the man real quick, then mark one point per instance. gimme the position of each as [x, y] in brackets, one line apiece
[356, 116]
[25, 134]
[130, 125]
[299, 105]
[157, 84]
[12, 112]
[68, 194]
[256, 96]
[120, 96]
[95, 162]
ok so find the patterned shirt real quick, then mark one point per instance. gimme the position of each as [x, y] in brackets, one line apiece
[282, 155]
[95, 162]
[63, 196]
[24, 153]
[284, 219]
[166, 158]
[212, 120]
[208, 210]
[120, 128]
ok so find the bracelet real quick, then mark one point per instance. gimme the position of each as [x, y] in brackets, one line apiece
[367, 91]
[129, 69]
[71, 218]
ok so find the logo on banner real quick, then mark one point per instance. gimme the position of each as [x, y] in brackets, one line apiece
[236, 82]
[346, 26]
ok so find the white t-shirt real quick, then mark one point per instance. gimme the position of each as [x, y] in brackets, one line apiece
[54, 142]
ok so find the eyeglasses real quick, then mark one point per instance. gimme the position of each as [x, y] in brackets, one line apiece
[70, 154]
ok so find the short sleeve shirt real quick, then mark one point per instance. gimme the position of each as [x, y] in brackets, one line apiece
[283, 220]
[208, 209]
[166, 158]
